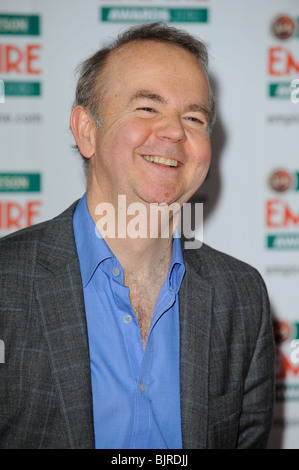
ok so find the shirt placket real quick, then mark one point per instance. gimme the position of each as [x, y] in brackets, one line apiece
[143, 422]
[136, 357]
[139, 359]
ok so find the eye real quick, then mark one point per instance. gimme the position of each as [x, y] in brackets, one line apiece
[197, 123]
[195, 120]
[147, 109]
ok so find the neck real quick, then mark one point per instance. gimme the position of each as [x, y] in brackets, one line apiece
[142, 258]
[141, 238]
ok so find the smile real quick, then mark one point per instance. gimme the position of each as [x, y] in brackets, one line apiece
[163, 161]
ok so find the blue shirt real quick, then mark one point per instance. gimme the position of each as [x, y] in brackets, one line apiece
[136, 391]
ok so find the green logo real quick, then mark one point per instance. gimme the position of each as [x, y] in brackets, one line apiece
[2, 92]
[26, 25]
[288, 241]
[280, 90]
[286, 392]
[20, 182]
[22, 89]
[153, 14]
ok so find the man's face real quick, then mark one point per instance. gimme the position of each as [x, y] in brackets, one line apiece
[153, 146]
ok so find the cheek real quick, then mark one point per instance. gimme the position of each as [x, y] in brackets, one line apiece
[125, 137]
[202, 152]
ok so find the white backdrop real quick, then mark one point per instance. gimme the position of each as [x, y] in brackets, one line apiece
[251, 196]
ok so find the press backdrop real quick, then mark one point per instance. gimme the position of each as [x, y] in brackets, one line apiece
[251, 196]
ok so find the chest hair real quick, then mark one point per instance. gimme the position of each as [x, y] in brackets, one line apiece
[143, 296]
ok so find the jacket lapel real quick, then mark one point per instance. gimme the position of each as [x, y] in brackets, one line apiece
[59, 296]
[195, 332]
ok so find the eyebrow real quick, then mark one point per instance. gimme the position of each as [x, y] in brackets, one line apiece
[147, 94]
[198, 108]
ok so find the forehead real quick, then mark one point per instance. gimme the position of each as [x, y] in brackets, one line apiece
[140, 50]
[140, 62]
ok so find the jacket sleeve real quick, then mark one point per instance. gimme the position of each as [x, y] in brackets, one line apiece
[258, 399]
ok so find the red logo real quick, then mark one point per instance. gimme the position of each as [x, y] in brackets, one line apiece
[281, 180]
[283, 27]
[281, 61]
[20, 60]
[279, 214]
[14, 215]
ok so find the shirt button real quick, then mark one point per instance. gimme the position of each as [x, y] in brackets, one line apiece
[127, 318]
[141, 387]
[115, 272]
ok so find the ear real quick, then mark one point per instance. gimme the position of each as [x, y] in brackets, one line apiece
[83, 128]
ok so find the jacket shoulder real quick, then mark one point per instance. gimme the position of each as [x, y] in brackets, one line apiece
[20, 247]
[209, 258]
[36, 230]
[225, 272]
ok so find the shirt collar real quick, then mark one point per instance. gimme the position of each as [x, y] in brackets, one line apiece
[91, 247]
[93, 250]
[177, 267]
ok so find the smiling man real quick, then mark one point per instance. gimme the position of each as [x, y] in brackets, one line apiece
[133, 343]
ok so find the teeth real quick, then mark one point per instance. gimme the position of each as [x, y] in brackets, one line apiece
[164, 161]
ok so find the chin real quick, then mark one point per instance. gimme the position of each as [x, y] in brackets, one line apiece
[162, 200]
[156, 196]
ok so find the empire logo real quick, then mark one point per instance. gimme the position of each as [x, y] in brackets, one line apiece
[20, 60]
[282, 62]
[279, 214]
[15, 214]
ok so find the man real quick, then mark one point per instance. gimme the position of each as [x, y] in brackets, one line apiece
[113, 341]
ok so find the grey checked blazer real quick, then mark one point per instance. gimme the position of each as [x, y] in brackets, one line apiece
[227, 348]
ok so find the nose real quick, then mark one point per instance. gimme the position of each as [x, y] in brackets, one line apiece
[171, 128]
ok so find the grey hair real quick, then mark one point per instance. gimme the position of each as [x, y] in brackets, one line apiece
[93, 71]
